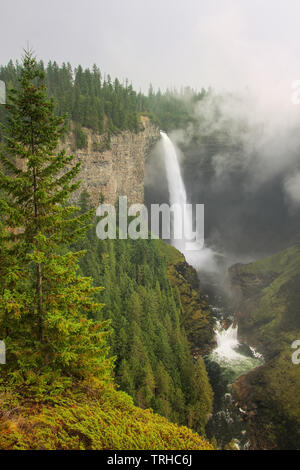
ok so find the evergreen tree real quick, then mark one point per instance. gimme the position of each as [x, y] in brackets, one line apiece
[148, 333]
[202, 397]
[44, 302]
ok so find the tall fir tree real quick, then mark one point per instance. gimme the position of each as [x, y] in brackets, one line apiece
[45, 304]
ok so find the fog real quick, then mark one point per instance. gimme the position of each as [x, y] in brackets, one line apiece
[226, 44]
[242, 160]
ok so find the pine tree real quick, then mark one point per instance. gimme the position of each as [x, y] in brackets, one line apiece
[202, 398]
[148, 389]
[44, 302]
[125, 378]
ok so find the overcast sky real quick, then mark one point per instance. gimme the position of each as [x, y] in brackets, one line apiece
[222, 43]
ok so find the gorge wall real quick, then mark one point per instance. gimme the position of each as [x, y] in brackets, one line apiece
[114, 170]
[267, 305]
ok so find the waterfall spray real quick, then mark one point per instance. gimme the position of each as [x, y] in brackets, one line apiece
[177, 192]
[227, 342]
[194, 252]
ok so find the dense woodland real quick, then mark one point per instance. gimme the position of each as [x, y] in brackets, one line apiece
[153, 359]
[68, 341]
[95, 101]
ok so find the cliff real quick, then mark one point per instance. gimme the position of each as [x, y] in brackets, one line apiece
[267, 302]
[116, 168]
[196, 315]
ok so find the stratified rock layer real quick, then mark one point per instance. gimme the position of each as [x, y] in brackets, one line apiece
[117, 169]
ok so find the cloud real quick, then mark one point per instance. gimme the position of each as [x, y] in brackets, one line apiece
[228, 44]
[292, 188]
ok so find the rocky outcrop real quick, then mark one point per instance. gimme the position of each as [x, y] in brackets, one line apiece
[114, 169]
[245, 392]
[267, 304]
[197, 316]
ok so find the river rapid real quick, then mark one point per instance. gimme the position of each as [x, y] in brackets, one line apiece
[230, 358]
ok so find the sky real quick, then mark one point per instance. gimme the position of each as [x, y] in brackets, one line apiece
[226, 44]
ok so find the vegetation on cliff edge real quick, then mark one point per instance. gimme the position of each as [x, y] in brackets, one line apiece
[269, 317]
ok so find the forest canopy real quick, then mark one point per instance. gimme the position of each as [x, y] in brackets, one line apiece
[94, 100]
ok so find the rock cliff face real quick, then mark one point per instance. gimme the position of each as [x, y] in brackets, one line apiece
[268, 300]
[114, 170]
[196, 314]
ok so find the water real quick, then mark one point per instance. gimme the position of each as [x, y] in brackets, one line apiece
[230, 358]
[176, 186]
[225, 364]
[227, 342]
[177, 193]
[195, 254]
[227, 354]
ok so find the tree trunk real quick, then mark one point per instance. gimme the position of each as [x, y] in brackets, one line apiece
[40, 301]
[39, 289]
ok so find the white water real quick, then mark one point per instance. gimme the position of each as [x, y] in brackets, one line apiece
[227, 342]
[176, 186]
[177, 192]
[226, 351]
[202, 258]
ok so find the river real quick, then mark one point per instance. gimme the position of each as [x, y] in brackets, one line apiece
[230, 358]
[224, 365]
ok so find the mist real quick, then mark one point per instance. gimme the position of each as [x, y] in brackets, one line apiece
[242, 160]
[226, 44]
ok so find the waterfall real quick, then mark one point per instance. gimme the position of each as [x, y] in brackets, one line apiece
[177, 192]
[227, 342]
[226, 339]
[201, 258]
[176, 186]
[226, 422]
[227, 353]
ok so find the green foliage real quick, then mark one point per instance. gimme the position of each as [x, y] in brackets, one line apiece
[96, 102]
[81, 140]
[44, 303]
[172, 109]
[196, 315]
[270, 318]
[153, 360]
[56, 390]
[89, 99]
[84, 419]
